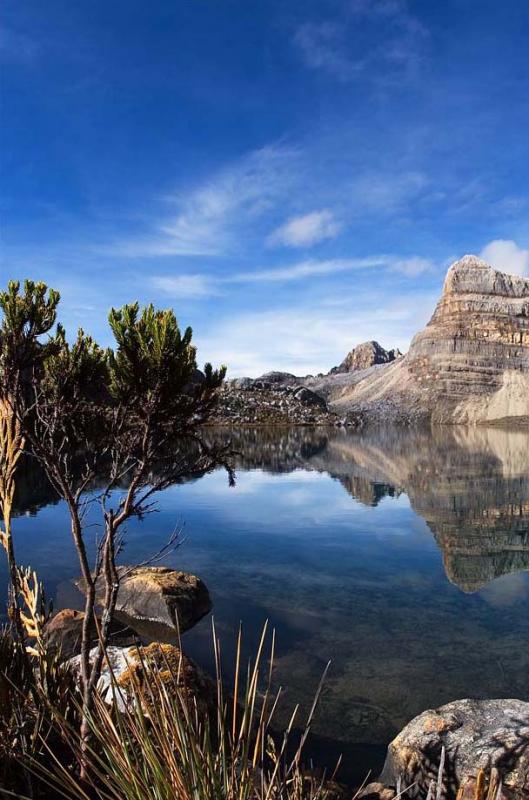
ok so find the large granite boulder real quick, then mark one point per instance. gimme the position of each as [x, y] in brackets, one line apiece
[159, 595]
[278, 377]
[491, 736]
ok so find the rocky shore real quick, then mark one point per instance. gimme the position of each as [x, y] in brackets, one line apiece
[475, 749]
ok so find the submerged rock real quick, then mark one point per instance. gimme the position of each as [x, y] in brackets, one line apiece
[476, 734]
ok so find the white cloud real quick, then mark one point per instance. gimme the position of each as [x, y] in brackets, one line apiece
[306, 230]
[210, 216]
[185, 285]
[312, 338]
[389, 43]
[507, 256]
[321, 46]
[305, 269]
[388, 192]
[413, 266]
[202, 285]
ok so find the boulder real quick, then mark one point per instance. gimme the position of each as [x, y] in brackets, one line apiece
[310, 398]
[376, 791]
[278, 377]
[241, 383]
[160, 595]
[130, 666]
[64, 632]
[478, 735]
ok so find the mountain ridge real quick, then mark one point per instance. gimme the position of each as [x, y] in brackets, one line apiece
[469, 365]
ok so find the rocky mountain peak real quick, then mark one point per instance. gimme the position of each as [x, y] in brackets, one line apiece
[470, 364]
[365, 355]
[472, 275]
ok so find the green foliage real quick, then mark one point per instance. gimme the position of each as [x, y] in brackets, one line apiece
[152, 356]
[76, 372]
[26, 317]
[153, 367]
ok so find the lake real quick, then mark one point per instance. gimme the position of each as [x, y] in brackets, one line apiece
[399, 555]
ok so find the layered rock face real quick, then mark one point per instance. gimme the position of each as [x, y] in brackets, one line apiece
[476, 346]
[365, 355]
[470, 364]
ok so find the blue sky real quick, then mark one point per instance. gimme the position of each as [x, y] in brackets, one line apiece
[292, 177]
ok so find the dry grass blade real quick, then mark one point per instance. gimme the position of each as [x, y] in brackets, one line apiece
[156, 738]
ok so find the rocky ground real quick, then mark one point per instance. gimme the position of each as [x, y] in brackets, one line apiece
[267, 402]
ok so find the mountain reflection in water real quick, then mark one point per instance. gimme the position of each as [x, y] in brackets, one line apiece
[359, 576]
[470, 485]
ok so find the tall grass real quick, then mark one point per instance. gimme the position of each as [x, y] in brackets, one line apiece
[157, 739]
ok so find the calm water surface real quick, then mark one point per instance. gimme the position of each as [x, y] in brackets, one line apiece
[401, 556]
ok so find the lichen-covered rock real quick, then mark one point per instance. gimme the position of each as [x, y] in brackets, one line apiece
[127, 668]
[477, 735]
[160, 595]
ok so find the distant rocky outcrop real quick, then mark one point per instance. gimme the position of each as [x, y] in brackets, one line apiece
[469, 365]
[277, 398]
[365, 355]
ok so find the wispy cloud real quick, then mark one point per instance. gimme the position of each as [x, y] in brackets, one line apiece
[209, 215]
[192, 286]
[413, 266]
[322, 46]
[507, 256]
[380, 40]
[306, 230]
[199, 285]
[306, 269]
